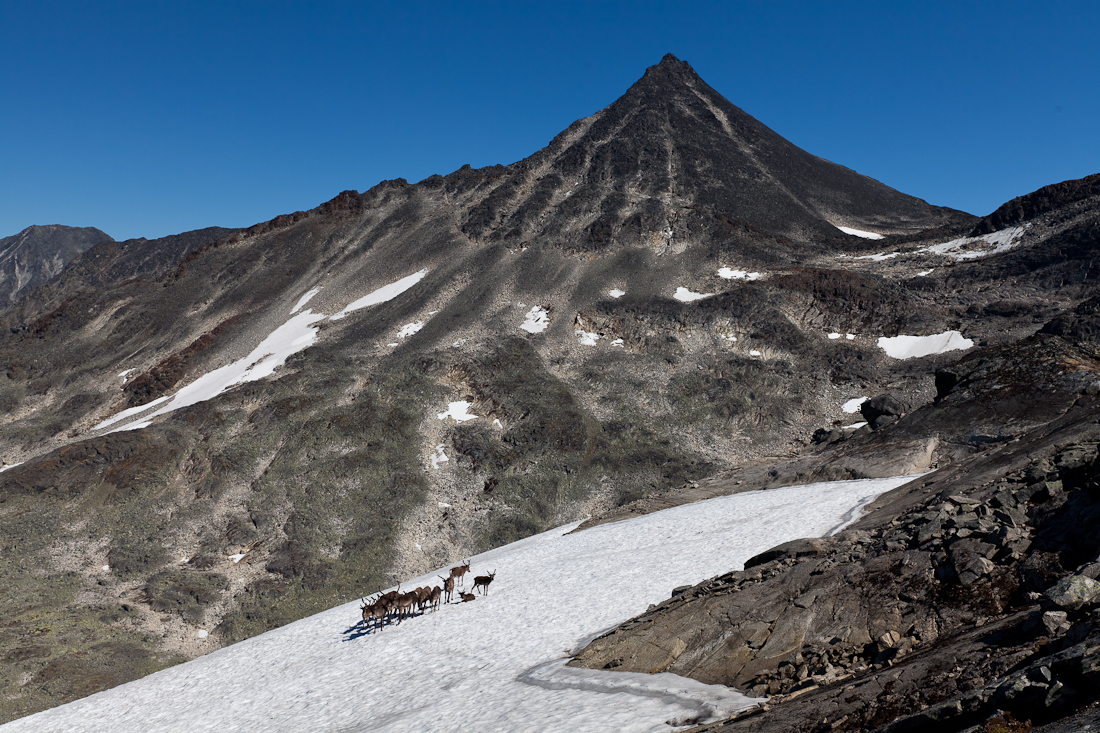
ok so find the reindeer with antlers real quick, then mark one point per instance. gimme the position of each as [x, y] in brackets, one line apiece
[459, 572]
[482, 582]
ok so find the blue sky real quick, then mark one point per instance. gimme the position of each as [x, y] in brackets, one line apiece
[148, 119]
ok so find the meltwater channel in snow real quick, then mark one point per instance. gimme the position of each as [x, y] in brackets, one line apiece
[496, 664]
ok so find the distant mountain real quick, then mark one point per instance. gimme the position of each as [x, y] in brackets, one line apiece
[37, 253]
[210, 435]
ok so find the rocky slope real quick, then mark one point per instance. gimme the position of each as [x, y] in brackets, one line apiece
[656, 306]
[960, 597]
[37, 253]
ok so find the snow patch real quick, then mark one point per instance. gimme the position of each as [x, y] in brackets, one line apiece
[586, 338]
[754, 352]
[618, 342]
[382, 294]
[536, 321]
[853, 404]
[730, 274]
[911, 347]
[458, 411]
[686, 296]
[439, 457]
[834, 336]
[859, 233]
[616, 293]
[305, 299]
[969, 248]
[409, 329]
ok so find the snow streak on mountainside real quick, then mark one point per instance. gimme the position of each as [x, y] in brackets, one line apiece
[493, 664]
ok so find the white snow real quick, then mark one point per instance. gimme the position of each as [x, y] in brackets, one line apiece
[458, 411]
[494, 664]
[834, 336]
[383, 294]
[686, 296]
[443, 504]
[910, 347]
[925, 273]
[129, 412]
[237, 557]
[731, 274]
[439, 457]
[202, 633]
[587, 338]
[618, 342]
[289, 338]
[850, 336]
[616, 293]
[7, 466]
[968, 248]
[855, 426]
[297, 333]
[305, 299]
[754, 352]
[536, 320]
[853, 404]
[409, 329]
[859, 233]
[123, 374]
[496, 422]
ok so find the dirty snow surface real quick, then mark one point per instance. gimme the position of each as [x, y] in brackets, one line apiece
[910, 347]
[495, 664]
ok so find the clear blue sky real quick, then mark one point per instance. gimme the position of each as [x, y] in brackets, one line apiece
[151, 118]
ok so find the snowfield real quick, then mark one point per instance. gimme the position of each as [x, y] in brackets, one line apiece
[911, 347]
[496, 664]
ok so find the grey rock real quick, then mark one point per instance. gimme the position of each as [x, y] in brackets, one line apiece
[1074, 592]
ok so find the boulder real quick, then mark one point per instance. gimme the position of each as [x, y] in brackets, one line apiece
[1073, 592]
[883, 410]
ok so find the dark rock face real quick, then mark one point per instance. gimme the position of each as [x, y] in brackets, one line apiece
[934, 614]
[1046, 199]
[673, 160]
[37, 253]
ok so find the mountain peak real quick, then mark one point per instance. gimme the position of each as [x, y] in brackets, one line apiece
[672, 143]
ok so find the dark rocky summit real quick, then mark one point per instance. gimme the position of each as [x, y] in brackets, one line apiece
[705, 321]
[37, 253]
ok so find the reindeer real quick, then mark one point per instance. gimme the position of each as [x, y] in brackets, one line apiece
[460, 573]
[376, 611]
[403, 604]
[448, 586]
[433, 598]
[467, 597]
[482, 581]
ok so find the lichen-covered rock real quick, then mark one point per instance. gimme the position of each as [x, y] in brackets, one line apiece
[1074, 592]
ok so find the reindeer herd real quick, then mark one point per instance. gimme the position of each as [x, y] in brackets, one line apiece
[396, 604]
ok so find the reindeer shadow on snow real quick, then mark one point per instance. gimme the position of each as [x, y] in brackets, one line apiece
[393, 607]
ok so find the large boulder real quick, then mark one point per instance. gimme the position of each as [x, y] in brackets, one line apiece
[883, 410]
